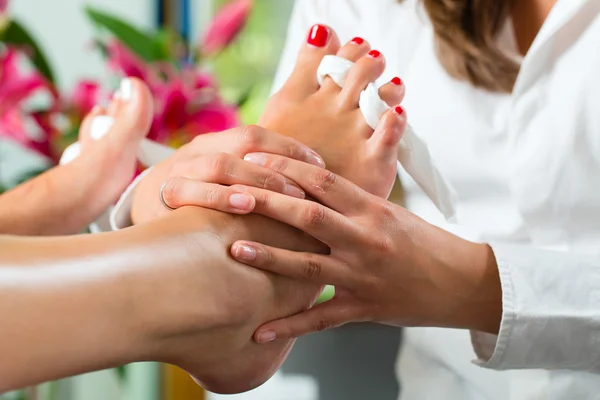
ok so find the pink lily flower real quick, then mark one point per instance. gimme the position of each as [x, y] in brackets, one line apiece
[85, 96]
[15, 89]
[226, 26]
[122, 60]
[3, 6]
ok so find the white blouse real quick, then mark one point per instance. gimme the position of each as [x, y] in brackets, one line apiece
[526, 168]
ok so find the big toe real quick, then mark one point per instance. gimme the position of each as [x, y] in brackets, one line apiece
[132, 109]
[321, 40]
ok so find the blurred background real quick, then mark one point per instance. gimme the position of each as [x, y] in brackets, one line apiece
[219, 56]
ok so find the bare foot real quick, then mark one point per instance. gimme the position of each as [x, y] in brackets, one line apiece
[110, 138]
[328, 118]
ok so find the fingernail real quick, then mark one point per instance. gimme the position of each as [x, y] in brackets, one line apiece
[374, 54]
[266, 337]
[256, 159]
[397, 81]
[316, 159]
[244, 252]
[96, 109]
[358, 40]
[125, 90]
[241, 201]
[100, 126]
[318, 36]
[399, 110]
[293, 191]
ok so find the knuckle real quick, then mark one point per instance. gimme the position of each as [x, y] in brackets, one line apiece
[252, 137]
[218, 165]
[323, 179]
[323, 325]
[211, 196]
[269, 180]
[279, 164]
[311, 268]
[314, 215]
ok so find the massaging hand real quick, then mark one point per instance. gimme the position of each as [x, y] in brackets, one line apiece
[214, 160]
[387, 265]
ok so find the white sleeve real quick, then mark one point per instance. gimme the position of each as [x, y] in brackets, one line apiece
[551, 311]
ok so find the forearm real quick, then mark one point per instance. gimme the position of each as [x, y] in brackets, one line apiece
[61, 201]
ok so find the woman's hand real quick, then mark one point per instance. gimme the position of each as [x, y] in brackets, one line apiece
[202, 172]
[387, 265]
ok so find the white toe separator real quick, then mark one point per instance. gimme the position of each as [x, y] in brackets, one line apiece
[413, 154]
[149, 153]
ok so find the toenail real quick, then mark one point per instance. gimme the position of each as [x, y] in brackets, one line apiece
[126, 89]
[397, 81]
[318, 36]
[374, 54]
[358, 40]
[399, 110]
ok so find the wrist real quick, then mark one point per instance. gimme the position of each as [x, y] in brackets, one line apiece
[467, 284]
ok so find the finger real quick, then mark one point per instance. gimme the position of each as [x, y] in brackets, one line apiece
[325, 186]
[254, 139]
[316, 268]
[225, 169]
[322, 317]
[180, 192]
[322, 223]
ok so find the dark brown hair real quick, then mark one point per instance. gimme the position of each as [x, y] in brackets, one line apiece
[466, 39]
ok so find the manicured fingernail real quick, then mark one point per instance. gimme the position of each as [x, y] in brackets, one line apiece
[374, 54]
[358, 40]
[256, 159]
[316, 159]
[293, 191]
[266, 337]
[244, 252]
[125, 90]
[318, 36]
[399, 110]
[96, 109]
[241, 201]
[397, 81]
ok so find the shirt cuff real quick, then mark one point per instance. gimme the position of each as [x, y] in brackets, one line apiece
[551, 311]
[120, 215]
[489, 348]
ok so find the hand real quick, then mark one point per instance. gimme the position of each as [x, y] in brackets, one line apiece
[387, 265]
[196, 173]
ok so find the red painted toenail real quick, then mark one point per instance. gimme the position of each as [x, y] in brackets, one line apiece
[358, 40]
[399, 110]
[375, 53]
[397, 81]
[318, 36]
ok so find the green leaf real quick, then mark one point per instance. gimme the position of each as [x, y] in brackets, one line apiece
[17, 35]
[121, 372]
[141, 43]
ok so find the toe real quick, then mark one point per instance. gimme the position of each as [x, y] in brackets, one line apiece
[320, 41]
[132, 110]
[85, 131]
[365, 71]
[392, 92]
[355, 49]
[383, 144]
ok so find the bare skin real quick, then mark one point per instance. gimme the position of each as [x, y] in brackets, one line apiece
[328, 120]
[528, 18]
[51, 204]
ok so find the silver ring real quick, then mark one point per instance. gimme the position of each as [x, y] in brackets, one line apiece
[162, 198]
